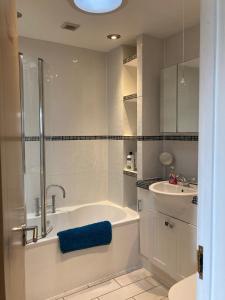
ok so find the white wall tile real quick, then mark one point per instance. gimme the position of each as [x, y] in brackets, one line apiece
[186, 156]
[150, 155]
[150, 62]
[75, 104]
[115, 172]
[81, 167]
[75, 93]
[115, 96]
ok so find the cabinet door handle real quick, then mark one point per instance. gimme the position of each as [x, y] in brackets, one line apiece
[168, 224]
[195, 200]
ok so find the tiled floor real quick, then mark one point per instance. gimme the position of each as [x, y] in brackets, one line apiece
[137, 285]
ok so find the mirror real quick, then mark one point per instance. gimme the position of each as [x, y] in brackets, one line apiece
[179, 98]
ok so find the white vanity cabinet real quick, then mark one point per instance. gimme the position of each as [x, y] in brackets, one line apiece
[168, 243]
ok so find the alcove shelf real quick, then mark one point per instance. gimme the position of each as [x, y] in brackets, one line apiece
[131, 61]
[130, 172]
[129, 93]
[130, 98]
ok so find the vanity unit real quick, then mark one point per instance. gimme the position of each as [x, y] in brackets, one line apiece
[168, 231]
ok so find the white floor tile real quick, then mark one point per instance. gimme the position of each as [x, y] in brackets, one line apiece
[128, 291]
[153, 281]
[132, 277]
[157, 293]
[95, 291]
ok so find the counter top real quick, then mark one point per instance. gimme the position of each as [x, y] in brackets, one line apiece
[144, 184]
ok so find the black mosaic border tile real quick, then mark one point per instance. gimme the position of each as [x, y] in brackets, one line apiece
[112, 137]
[180, 138]
[32, 138]
[77, 138]
[150, 138]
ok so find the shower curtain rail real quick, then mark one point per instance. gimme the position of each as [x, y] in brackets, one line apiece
[42, 147]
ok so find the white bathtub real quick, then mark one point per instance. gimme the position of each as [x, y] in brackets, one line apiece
[50, 273]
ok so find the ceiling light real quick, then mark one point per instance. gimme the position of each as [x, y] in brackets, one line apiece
[98, 6]
[114, 36]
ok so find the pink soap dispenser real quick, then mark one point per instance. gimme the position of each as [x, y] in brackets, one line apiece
[172, 176]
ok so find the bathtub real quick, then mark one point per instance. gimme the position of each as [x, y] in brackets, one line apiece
[50, 273]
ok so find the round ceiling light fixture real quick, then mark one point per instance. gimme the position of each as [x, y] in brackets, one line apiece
[98, 6]
[114, 36]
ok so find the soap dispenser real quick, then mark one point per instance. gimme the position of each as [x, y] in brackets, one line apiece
[172, 176]
[130, 161]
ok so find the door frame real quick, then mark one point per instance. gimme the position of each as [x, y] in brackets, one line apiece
[211, 221]
[12, 209]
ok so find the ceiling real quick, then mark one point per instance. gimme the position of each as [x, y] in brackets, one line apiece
[160, 18]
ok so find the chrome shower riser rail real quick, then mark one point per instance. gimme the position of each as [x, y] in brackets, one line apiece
[42, 147]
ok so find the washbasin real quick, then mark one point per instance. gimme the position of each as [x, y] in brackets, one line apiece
[175, 200]
[167, 189]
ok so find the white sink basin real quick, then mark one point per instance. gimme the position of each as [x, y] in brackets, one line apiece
[175, 200]
[174, 190]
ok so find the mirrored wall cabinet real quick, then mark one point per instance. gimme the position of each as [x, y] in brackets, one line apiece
[179, 98]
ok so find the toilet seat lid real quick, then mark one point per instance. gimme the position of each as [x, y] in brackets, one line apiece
[185, 289]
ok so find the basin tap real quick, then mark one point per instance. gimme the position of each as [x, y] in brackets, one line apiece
[182, 180]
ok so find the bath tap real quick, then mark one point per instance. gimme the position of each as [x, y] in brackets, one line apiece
[53, 205]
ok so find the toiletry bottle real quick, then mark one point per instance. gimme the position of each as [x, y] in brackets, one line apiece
[172, 176]
[130, 161]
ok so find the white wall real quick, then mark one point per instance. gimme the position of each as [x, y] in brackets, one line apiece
[75, 104]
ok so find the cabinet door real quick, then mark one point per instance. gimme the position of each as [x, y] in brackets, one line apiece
[186, 249]
[188, 96]
[147, 218]
[164, 244]
[168, 100]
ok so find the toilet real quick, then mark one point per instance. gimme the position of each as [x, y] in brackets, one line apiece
[185, 289]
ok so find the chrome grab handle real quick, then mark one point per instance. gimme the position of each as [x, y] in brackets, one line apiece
[24, 229]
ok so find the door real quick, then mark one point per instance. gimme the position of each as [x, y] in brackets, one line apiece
[12, 212]
[164, 243]
[147, 218]
[211, 209]
[186, 249]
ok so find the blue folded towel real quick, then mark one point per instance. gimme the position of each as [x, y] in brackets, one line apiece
[85, 237]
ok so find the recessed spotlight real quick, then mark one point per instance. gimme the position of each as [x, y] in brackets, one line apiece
[114, 36]
[98, 6]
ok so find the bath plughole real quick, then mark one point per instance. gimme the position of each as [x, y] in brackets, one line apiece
[118, 149]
